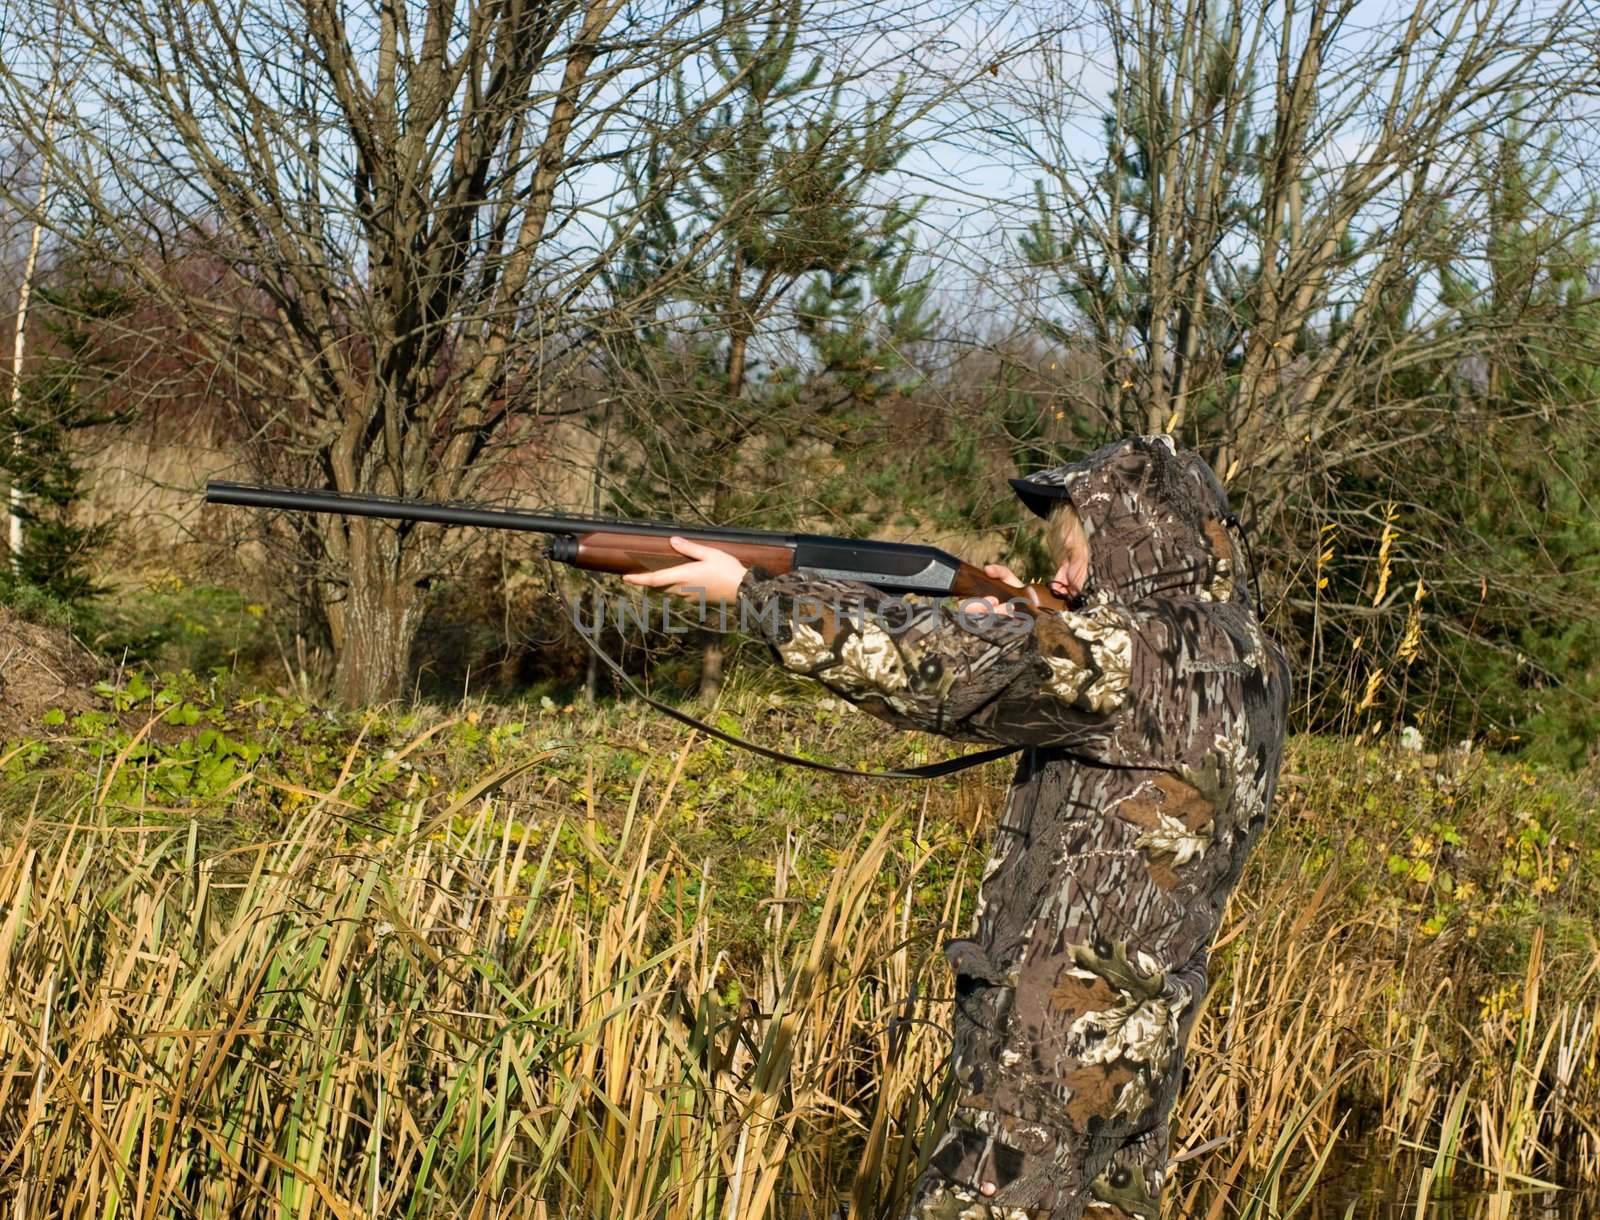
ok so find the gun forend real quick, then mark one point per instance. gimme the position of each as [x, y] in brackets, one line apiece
[622, 553]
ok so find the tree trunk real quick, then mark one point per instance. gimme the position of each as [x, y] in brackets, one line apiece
[711, 669]
[711, 662]
[373, 619]
[14, 505]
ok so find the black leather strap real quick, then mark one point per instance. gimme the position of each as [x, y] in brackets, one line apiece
[948, 766]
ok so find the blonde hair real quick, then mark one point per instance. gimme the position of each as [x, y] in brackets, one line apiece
[1060, 526]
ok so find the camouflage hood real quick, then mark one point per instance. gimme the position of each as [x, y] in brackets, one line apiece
[1156, 517]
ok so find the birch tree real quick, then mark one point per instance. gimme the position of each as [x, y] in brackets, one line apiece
[30, 266]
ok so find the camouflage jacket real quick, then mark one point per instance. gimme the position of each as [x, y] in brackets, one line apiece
[1153, 721]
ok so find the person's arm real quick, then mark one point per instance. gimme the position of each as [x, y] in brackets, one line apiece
[1048, 680]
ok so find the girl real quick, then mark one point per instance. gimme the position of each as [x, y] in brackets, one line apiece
[1151, 721]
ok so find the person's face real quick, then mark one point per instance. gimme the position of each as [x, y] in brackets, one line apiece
[1069, 547]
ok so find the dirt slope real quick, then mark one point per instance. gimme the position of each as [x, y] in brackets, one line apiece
[40, 668]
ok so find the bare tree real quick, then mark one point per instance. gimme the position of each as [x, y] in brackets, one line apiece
[397, 214]
[1278, 231]
[1247, 247]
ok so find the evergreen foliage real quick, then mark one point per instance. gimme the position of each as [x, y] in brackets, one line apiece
[61, 398]
[789, 340]
[1515, 484]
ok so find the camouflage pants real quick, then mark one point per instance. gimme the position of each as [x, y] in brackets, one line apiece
[992, 1165]
[1128, 1188]
[1073, 1007]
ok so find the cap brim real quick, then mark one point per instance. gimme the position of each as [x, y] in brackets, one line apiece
[1038, 497]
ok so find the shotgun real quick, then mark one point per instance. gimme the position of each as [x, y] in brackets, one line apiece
[599, 544]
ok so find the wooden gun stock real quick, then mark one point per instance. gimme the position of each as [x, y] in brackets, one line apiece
[972, 581]
[622, 554]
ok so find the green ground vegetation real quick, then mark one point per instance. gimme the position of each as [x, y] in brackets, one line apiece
[429, 958]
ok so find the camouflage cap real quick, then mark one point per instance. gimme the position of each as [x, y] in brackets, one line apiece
[1044, 489]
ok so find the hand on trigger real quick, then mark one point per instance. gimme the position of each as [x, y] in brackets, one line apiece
[977, 607]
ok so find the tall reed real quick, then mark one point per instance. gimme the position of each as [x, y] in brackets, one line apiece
[499, 1002]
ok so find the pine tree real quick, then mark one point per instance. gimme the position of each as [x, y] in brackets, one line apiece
[1156, 289]
[787, 341]
[1515, 474]
[59, 400]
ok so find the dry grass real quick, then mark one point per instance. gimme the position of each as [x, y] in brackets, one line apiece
[486, 1007]
[430, 1025]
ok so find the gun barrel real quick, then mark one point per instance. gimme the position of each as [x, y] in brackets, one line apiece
[397, 508]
